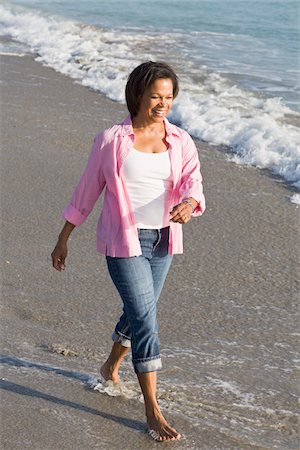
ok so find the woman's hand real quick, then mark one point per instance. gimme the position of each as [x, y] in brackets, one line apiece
[182, 213]
[59, 255]
[60, 252]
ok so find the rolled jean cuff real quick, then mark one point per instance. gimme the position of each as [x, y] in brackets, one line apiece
[147, 364]
[121, 339]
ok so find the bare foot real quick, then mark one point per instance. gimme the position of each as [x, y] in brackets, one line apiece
[159, 429]
[109, 374]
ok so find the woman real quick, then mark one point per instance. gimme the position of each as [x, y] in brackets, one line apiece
[151, 174]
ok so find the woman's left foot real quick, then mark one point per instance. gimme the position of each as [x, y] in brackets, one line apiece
[160, 430]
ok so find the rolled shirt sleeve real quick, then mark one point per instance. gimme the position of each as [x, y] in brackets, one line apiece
[191, 178]
[89, 187]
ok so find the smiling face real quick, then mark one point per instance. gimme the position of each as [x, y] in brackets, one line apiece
[156, 101]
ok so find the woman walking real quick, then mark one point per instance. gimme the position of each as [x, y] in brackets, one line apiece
[150, 171]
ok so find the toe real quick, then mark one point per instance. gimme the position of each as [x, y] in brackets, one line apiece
[173, 433]
[167, 434]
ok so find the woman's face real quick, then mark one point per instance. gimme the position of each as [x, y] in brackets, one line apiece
[156, 101]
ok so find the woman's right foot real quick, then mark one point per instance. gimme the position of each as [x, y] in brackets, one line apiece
[108, 373]
[159, 429]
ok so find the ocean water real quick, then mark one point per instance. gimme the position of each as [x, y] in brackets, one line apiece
[238, 63]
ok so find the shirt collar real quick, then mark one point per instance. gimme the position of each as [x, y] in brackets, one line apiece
[127, 130]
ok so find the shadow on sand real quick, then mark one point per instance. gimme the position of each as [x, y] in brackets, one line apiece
[26, 391]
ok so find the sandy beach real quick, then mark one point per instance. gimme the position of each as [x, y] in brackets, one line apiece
[227, 316]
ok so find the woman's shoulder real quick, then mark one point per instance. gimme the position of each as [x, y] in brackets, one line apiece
[106, 136]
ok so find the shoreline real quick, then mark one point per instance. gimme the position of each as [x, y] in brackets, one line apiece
[233, 293]
[290, 119]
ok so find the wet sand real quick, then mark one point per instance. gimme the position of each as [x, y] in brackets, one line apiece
[227, 316]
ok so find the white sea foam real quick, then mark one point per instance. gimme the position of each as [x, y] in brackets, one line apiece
[245, 398]
[209, 106]
[11, 54]
[295, 199]
[115, 390]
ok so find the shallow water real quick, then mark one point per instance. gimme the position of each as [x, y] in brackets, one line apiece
[245, 417]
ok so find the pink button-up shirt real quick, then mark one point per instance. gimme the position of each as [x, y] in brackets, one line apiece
[116, 230]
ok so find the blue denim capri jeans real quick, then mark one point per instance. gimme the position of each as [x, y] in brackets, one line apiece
[139, 281]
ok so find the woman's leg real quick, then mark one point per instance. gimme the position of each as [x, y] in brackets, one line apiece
[110, 369]
[133, 280]
[158, 427]
[121, 346]
[160, 263]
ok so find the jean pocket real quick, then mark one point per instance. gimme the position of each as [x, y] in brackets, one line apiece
[162, 246]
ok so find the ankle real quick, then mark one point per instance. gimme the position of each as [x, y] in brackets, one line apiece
[153, 411]
[110, 366]
[109, 372]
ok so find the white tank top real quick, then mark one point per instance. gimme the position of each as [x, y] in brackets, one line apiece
[148, 180]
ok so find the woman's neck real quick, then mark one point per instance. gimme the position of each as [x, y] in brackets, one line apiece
[148, 127]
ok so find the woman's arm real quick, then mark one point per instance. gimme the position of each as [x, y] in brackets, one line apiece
[60, 251]
[86, 193]
[191, 180]
[190, 191]
[89, 187]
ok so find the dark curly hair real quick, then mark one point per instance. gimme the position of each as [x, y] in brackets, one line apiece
[142, 77]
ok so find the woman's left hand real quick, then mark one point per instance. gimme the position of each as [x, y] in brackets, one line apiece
[181, 213]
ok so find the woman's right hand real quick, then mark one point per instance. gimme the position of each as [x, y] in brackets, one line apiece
[60, 252]
[59, 255]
